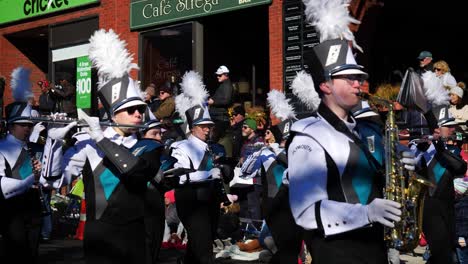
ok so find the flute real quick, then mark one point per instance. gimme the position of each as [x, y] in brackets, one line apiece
[68, 120]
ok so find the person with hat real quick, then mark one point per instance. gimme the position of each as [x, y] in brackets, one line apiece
[440, 163]
[166, 108]
[458, 109]
[196, 195]
[20, 166]
[222, 99]
[425, 62]
[334, 160]
[116, 167]
[154, 207]
[249, 197]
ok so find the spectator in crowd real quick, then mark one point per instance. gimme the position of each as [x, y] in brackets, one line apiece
[65, 93]
[150, 97]
[442, 71]
[166, 109]
[222, 99]
[425, 62]
[47, 102]
[237, 121]
[458, 108]
[249, 197]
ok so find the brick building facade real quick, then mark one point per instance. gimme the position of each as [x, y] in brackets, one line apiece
[117, 15]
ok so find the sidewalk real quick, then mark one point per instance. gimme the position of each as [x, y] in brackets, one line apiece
[415, 258]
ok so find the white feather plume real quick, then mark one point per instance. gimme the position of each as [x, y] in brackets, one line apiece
[109, 55]
[192, 86]
[331, 18]
[21, 87]
[303, 87]
[280, 106]
[182, 104]
[434, 89]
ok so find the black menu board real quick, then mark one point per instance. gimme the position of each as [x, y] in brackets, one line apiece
[299, 38]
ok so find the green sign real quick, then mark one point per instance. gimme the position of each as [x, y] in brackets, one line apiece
[83, 82]
[13, 10]
[144, 13]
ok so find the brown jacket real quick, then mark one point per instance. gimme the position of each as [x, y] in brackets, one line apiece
[166, 109]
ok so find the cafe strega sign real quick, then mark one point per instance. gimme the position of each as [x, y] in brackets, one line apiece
[144, 13]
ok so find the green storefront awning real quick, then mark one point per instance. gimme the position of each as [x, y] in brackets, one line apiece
[145, 13]
[15, 10]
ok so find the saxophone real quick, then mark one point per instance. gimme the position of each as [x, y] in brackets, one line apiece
[402, 186]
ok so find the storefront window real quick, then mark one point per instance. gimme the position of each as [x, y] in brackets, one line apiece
[167, 54]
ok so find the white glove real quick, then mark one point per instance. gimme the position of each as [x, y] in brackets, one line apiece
[37, 129]
[215, 173]
[408, 160]
[382, 210]
[58, 116]
[60, 132]
[276, 148]
[95, 131]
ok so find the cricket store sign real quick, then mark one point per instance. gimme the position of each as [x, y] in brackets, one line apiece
[144, 13]
[14, 10]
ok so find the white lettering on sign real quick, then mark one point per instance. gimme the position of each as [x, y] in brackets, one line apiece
[164, 8]
[244, 2]
[186, 5]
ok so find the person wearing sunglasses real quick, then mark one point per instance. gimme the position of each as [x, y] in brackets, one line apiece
[115, 165]
[221, 100]
[425, 62]
[20, 166]
[166, 109]
[442, 72]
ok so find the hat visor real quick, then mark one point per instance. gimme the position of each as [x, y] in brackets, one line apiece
[204, 122]
[130, 104]
[367, 113]
[152, 124]
[349, 71]
[22, 121]
[220, 72]
[449, 123]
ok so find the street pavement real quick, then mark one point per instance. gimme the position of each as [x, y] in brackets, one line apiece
[69, 251]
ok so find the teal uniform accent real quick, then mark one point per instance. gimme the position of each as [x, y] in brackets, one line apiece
[438, 171]
[209, 163]
[109, 182]
[26, 169]
[361, 181]
[278, 171]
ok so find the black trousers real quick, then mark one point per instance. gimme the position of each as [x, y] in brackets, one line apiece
[20, 233]
[361, 246]
[439, 230]
[154, 224]
[198, 209]
[286, 233]
[106, 243]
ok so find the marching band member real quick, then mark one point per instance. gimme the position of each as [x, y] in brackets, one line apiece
[116, 167]
[440, 164]
[20, 165]
[197, 198]
[334, 161]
